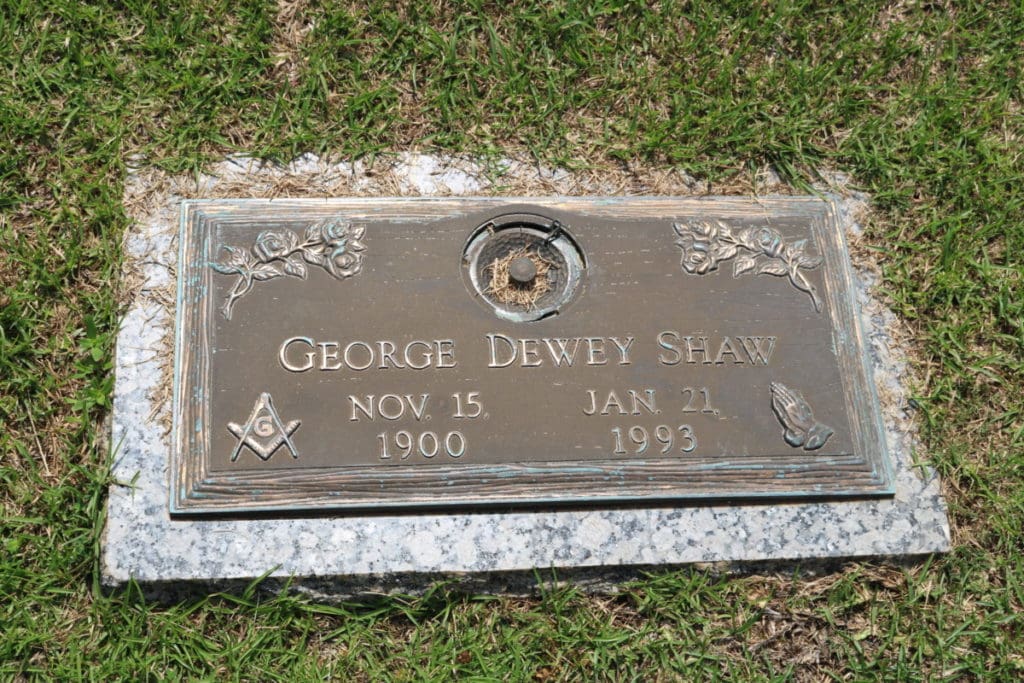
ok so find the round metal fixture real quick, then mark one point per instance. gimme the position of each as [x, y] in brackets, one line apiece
[522, 270]
[523, 266]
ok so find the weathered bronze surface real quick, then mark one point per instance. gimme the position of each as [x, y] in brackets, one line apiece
[376, 353]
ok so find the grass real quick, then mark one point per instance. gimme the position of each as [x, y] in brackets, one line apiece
[919, 101]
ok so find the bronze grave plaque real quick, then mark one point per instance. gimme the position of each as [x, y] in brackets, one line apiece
[396, 353]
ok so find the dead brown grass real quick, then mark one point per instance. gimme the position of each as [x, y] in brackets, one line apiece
[292, 23]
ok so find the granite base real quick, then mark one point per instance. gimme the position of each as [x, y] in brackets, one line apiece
[493, 551]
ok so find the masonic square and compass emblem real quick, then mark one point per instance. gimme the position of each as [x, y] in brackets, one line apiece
[264, 432]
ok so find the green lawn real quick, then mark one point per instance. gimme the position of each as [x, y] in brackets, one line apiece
[920, 102]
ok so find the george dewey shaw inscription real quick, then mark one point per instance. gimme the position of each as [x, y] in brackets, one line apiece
[389, 353]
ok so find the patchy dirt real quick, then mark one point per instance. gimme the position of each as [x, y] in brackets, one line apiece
[293, 22]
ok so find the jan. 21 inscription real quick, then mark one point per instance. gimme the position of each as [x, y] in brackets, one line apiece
[578, 351]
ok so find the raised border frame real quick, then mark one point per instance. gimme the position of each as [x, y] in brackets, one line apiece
[197, 490]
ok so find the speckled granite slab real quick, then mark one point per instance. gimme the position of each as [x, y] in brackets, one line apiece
[345, 554]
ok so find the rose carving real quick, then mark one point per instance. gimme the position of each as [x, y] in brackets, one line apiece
[345, 258]
[335, 246]
[770, 241]
[698, 256]
[706, 244]
[273, 244]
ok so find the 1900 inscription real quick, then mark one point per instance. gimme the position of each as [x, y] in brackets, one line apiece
[482, 351]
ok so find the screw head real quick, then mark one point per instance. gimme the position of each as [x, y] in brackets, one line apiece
[522, 270]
